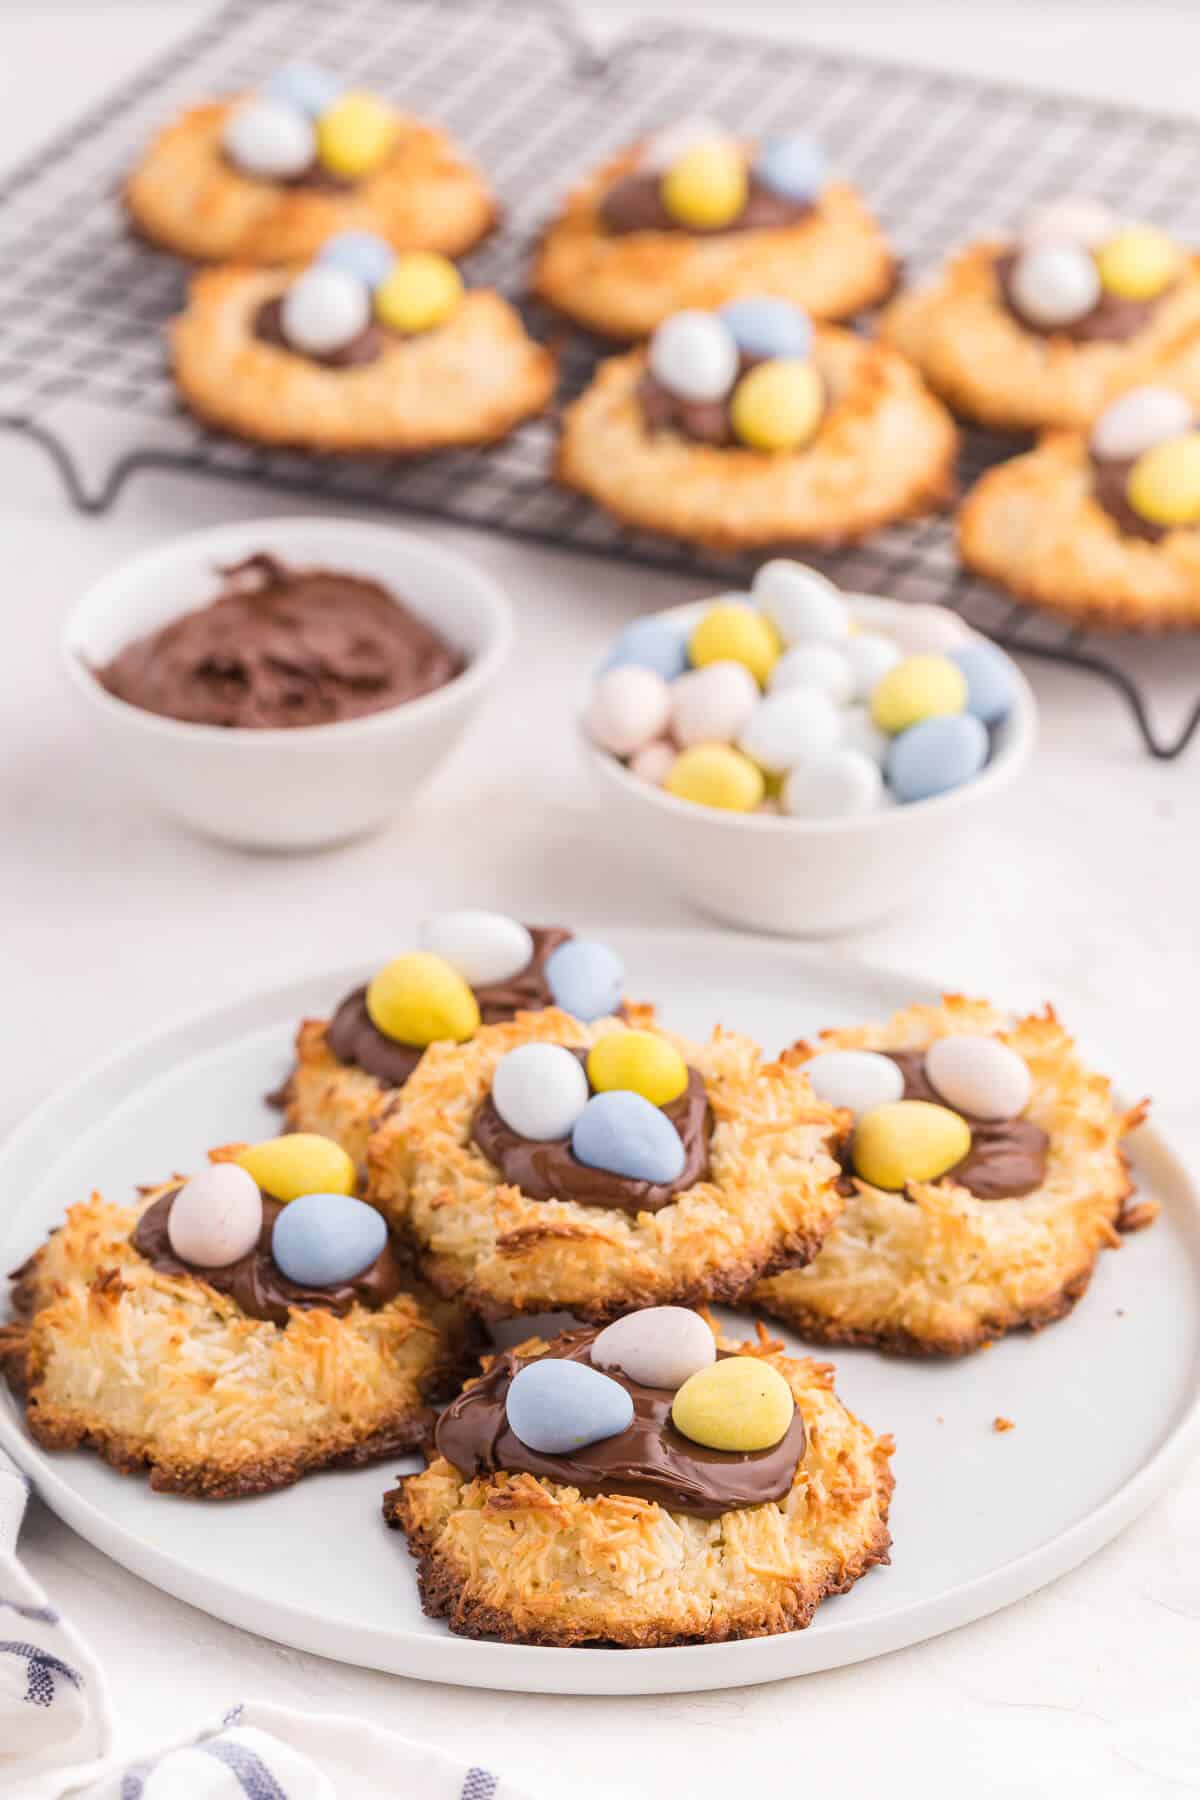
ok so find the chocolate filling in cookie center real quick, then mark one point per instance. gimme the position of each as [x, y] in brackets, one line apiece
[635, 203]
[367, 347]
[649, 1461]
[1110, 490]
[704, 421]
[1113, 319]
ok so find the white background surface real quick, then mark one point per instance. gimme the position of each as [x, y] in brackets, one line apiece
[1084, 892]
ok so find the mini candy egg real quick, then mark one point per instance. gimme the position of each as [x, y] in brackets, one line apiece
[555, 1406]
[777, 406]
[693, 354]
[1055, 284]
[785, 729]
[484, 947]
[266, 138]
[715, 775]
[936, 755]
[991, 684]
[659, 1347]
[355, 134]
[623, 1134]
[653, 762]
[422, 291]
[629, 707]
[586, 979]
[539, 1090]
[1141, 418]
[839, 784]
[1069, 221]
[651, 644]
[823, 666]
[662, 148]
[980, 1076]
[735, 631]
[323, 1239]
[711, 705]
[870, 657]
[304, 86]
[908, 1140]
[764, 326]
[793, 166]
[421, 999]
[1164, 483]
[706, 187]
[860, 732]
[860, 1080]
[1139, 263]
[641, 1062]
[802, 604]
[361, 254]
[216, 1217]
[918, 687]
[741, 1403]
[922, 630]
[323, 309]
[299, 1162]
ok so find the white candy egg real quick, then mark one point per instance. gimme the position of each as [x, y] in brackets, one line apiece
[659, 1347]
[801, 603]
[711, 705]
[857, 1079]
[979, 1076]
[1072, 220]
[652, 762]
[323, 309]
[860, 732]
[216, 1217]
[870, 656]
[629, 707]
[1055, 284]
[785, 729]
[483, 946]
[539, 1090]
[662, 148]
[693, 354]
[841, 784]
[264, 137]
[923, 629]
[1143, 417]
[823, 666]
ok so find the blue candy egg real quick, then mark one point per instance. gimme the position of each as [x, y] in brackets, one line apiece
[624, 1134]
[763, 326]
[304, 86]
[935, 756]
[651, 644]
[792, 166]
[361, 254]
[991, 685]
[556, 1407]
[586, 979]
[322, 1239]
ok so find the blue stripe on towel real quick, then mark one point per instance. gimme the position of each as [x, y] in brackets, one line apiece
[256, 1780]
[41, 1615]
[41, 1671]
[479, 1785]
[133, 1781]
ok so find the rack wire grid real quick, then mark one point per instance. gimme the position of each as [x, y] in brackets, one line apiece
[942, 159]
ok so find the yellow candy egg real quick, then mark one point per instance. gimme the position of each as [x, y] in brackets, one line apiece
[420, 999]
[707, 187]
[740, 1403]
[421, 291]
[908, 1140]
[299, 1163]
[916, 688]
[716, 775]
[355, 134]
[640, 1062]
[734, 632]
[1139, 263]
[1164, 483]
[778, 404]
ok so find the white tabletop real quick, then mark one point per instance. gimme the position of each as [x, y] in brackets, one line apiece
[1084, 893]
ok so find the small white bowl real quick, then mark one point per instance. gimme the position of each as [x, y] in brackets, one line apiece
[314, 785]
[803, 877]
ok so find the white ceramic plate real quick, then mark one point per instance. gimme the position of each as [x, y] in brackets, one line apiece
[1105, 1404]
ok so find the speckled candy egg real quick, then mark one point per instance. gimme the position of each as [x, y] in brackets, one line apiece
[870, 656]
[216, 1217]
[659, 1347]
[715, 775]
[304, 86]
[264, 137]
[539, 1090]
[980, 1076]
[651, 644]
[777, 406]
[793, 166]
[935, 756]
[908, 1140]
[555, 1406]
[826, 667]
[787, 728]
[734, 630]
[324, 309]
[640, 1062]
[1071, 220]
[323, 1239]
[361, 254]
[1139, 263]
[802, 604]
[355, 134]
[662, 148]
[1164, 483]
[918, 687]
[693, 354]
[710, 706]
[629, 707]
[764, 326]
[859, 1080]
[1141, 418]
[706, 187]
[421, 291]
[741, 1403]
[299, 1162]
[1055, 284]
[421, 999]
[623, 1134]
[484, 947]
[839, 784]
[586, 979]
[991, 682]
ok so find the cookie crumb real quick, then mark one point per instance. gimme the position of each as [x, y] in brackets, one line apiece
[999, 1423]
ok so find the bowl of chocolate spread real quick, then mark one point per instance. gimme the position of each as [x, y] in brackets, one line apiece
[285, 684]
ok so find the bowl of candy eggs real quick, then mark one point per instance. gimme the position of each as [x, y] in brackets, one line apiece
[800, 760]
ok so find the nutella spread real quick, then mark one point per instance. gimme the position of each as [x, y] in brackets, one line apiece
[706, 421]
[1111, 320]
[367, 347]
[1110, 482]
[635, 204]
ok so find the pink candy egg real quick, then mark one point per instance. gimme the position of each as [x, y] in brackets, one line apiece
[711, 705]
[652, 762]
[629, 707]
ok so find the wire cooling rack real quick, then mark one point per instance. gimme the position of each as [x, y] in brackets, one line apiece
[941, 158]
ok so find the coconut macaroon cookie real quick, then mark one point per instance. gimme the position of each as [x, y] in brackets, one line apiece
[363, 350]
[232, 1332]
[748, 428]
[985, 1175]
[643, 1486]
[694, 216]
[267, 176]
[550, 1164]
[1041, 329]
